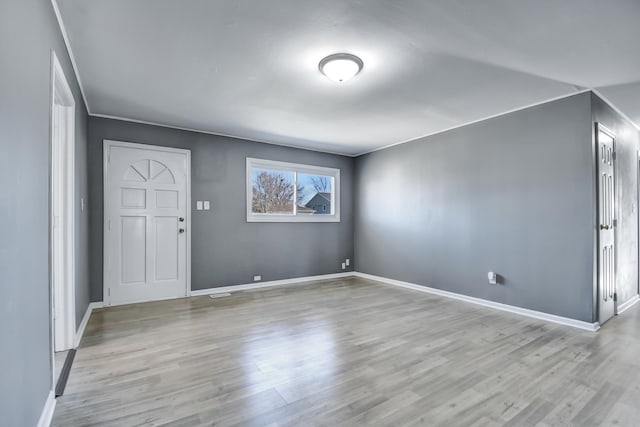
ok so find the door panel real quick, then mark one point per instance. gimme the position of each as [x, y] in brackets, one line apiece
[146, 193]
[167, 199]
[133, 238]
[607, 224]
[167, 248]
[134, 198]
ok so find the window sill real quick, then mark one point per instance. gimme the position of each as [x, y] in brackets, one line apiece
[279, 218]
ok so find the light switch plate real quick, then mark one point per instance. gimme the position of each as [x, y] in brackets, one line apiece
[207, 205]
[199, 205]
[493, 278]
[348, 261]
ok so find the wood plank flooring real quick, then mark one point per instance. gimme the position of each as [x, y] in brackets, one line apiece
[347, 352]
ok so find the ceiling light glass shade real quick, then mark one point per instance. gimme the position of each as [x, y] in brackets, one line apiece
[340, 67]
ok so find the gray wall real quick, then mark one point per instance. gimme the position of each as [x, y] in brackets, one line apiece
[28, 33]
[627, 144]
[513, 194]
[226, 250]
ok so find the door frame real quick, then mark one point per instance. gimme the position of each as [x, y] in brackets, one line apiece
[638, 217]
[599, 127]
[62, 274]
[107, 144]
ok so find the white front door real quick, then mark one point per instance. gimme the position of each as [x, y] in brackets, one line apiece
[146, 210]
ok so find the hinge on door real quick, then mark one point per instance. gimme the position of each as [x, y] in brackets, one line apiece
[109, 291]
[613, 155]
[615, 296]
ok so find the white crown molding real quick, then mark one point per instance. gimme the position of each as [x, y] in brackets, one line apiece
[47, 411]
[65, 37]
[628, 304]
[614, 108]
[486, 303]
[146, 122]
[413, 139]
[484, 119]
[126, 119]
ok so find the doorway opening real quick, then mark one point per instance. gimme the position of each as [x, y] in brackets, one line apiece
[62, 218]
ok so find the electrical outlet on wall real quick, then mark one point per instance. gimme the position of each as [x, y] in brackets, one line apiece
[347, 262]
[257, 278]
[344, 266]
[493, 278]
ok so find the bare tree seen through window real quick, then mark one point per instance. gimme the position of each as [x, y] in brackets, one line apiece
[273, 192]
[322, 184]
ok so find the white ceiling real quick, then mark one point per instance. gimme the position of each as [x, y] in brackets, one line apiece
[248, 68]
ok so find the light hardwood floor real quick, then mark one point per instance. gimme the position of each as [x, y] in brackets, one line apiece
[347, 352]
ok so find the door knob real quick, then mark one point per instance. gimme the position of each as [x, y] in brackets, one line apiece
[181, 230]
[181, 219]
[604, 227]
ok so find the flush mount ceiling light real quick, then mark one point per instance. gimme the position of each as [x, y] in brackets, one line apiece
[340, 67]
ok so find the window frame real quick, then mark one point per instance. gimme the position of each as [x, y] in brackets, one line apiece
[296, 168]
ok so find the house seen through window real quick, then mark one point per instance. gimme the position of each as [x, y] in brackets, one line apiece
[289, 192]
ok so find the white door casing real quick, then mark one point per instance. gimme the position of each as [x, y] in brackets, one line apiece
[147, 219]
[62, 210]
[605, 143]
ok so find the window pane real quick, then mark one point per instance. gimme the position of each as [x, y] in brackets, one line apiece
[273, 191]
[290, 192]
[315, 194]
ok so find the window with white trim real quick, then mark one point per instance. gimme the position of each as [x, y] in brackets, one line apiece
[291, 192]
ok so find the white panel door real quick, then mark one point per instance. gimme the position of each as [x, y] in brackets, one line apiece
[607, 224]
[146, 223]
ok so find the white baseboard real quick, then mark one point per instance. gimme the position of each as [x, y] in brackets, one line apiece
[496, 305]
[479, 301]
[628, 304]
[258, 285]
[85, 320]
[47, 412]
[94, 305]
